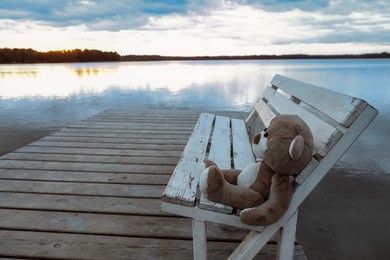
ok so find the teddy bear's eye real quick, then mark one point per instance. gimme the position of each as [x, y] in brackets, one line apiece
[265, 134]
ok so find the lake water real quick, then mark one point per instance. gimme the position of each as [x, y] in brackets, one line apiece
[38, 98]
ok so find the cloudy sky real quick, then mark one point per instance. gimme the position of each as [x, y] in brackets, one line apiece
[198, 27]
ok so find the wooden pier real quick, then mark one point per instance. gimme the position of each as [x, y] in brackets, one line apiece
[93, 191]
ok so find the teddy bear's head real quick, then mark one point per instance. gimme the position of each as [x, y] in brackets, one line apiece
[286, 145]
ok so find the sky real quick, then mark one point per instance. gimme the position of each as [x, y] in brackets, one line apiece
[198, 27]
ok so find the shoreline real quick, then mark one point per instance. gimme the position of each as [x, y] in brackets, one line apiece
[24, 55]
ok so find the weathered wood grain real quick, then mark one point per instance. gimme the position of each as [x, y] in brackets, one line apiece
[242, 147]
[74, 246]
[87, 177]
[74, 188]
[110, 224]
[91, 167]
[190, 164]
[74, 203]
[151, 160]
[342, 108]
[220, 151]
[33, 148]
[325, 135]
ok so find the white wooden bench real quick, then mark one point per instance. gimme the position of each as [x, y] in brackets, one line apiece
[336, 120]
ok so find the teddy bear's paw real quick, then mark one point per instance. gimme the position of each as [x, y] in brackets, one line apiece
[211, 183]
[203, 181]
[262, 215]
[209, 163]
[251, 217]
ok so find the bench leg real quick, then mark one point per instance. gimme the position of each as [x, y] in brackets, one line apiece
[286, 238]
[199, 235]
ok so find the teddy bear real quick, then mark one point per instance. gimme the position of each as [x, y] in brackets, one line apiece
[264, 188]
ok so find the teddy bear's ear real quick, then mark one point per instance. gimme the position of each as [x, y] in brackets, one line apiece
[296, 147]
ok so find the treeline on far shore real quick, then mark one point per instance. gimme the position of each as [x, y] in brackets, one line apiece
[17, 55]
[8, 55]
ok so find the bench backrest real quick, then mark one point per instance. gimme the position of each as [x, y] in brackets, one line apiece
[329, 114]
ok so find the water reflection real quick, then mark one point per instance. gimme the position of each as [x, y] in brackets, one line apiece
[223, 84]
[235, 83]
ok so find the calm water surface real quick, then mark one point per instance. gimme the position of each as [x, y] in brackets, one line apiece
[36, 98]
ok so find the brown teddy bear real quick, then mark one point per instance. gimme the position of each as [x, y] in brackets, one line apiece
[263, 189]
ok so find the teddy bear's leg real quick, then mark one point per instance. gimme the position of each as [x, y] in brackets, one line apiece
[273, 209]
[213, 185]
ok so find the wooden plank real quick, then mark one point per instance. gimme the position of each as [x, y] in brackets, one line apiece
[199, 240]
[264, 111]
[97, 151]
[74, 188]
[138, 126]
[90, 139]
[155, 120]
[111, 224]
[342, 108]
[73, 203]
[302, 176]
[90, 177]
[186, 132]
[160, 136]
[152, 160]
[220, 153]
[170, 147]
[242, 147]
[325, 135]
[220, 143]
[74, 246]
[183, 185]
[84, 166]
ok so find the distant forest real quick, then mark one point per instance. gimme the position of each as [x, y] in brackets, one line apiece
[15, 55]
[8, 55]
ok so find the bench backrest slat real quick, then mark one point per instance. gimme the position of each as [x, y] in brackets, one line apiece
[325, 135]
[342, 108]
[183, 185]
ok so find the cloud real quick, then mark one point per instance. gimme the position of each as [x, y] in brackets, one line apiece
[109, 15]
[287, 5]
[199, 27]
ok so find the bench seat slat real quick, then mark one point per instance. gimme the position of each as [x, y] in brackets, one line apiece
[342, 108]
[325, 135]
[220, 143]
[242, 148]
[183, 184]
[220, 154]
